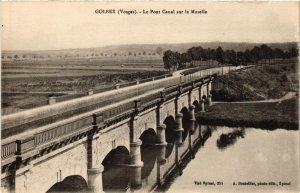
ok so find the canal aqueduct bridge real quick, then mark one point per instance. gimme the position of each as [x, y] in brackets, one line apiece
[47, 145]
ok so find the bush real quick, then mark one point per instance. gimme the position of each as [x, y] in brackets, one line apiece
[284, 78]
[273, 69]
[226, 94]
[284, 68]
[274, 93]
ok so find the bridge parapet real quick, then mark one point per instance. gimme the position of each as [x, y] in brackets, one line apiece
[33, 118]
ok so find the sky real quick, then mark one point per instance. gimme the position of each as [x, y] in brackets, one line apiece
[63, 25]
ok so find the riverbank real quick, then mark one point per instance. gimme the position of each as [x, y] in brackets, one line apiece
[258, 83]
[270, 115]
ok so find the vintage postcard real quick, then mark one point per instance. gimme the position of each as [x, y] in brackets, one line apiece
[150, 97]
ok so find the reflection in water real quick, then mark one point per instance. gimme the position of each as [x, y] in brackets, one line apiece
[148, 152]
[116, 175]
[262, 156]
[195, 141]
[206, 135]
[228, 139]
[185, 123]
[169, 149]
[148, 158]
[170, 134]
[116, 179]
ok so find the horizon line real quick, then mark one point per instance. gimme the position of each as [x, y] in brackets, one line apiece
[65, 49]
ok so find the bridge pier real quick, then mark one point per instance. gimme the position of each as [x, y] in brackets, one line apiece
[209, 99]
[178, 130]
[161, 152]
[207, 88]
[209, 85]
[136, 164]
[95, 179]
[202, 105]
[199, 90]
[192, 123]
[192, 118]
[161, 144]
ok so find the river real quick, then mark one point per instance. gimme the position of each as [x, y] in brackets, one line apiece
[246, 155]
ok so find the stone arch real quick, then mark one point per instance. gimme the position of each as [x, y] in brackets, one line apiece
[116, 174]
[74, 184]
[170, 134]
[106, 142]
[72, 162]
[185, 122]
[148, 137]
[148, 151]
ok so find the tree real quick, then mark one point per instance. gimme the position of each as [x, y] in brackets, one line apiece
[220, 55]
[247, 57]
[231, 57]
[183, 59]
[144, 53]
[194, 54]
[212, 54]
[169, 59]
[16, 56]
[266, 52]
[294, 52]
[256, 54]
[278, 53]
[159, 51]
[129, 53]
[240, 58]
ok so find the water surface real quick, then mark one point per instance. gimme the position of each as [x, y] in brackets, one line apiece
[248, 156]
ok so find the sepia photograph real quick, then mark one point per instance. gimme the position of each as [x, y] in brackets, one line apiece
[150, 96]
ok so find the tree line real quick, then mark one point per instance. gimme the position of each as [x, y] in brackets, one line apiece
[231, 57]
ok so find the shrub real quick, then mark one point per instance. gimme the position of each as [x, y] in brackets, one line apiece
[284, 78]
[284, 68]
[273, 69]
[226, 94]
[274, 93]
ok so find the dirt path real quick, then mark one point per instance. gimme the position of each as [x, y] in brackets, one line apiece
[289, 95]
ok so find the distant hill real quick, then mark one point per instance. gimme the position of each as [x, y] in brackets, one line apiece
[149, 50]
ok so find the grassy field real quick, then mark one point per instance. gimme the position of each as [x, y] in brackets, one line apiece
[259, 115]
[25, 82]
